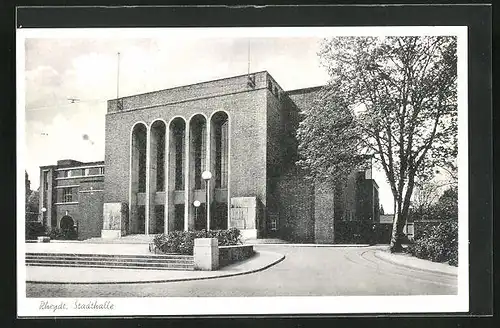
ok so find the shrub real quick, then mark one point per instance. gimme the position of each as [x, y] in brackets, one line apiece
[182, 242]
[58, 234]
[438, 243]
[34, 229]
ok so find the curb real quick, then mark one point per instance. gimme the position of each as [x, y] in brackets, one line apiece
[312, 245]
[223, 275]
[415, 267]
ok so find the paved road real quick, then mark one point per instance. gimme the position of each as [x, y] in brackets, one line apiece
[306, 271]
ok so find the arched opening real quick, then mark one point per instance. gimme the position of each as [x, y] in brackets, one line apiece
[158, 129]
[66, 223]
[198, 149]
[138, 178]
[220, 166]
[175, 176]
[198, 159]
[156, 176]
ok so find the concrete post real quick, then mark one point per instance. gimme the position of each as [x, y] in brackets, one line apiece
[206, 254]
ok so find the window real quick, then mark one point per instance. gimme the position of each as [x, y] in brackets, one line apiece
[101, 170]
[46, 180]
[221, 155]
[86, 172]
[273, 222]
[179, 154]
[77, 172]
[62, 174]
[199, 155]
[67, 195]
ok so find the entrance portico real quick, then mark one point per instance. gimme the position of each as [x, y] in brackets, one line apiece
[167, 162]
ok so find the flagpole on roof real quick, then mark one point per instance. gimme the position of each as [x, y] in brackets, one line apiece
[118, 76]
[248, 57]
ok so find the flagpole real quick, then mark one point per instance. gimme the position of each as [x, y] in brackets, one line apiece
[118, 77]
[248, 57]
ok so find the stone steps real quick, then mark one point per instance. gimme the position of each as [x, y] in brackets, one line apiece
[152, 262]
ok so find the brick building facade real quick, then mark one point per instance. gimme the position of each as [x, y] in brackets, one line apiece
[71, 194]
[241, 129]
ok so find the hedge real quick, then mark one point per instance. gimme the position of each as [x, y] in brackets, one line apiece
[182, 242]
[438, 243]
[58, 234]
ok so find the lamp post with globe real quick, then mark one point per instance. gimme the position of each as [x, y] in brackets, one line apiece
[196, 205]
[207, 175]
[42, 218]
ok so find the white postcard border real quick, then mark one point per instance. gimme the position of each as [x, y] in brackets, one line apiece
[29, 307]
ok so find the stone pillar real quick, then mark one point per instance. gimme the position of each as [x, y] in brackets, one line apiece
[187, 184]
[147, 206]
[151, 174]
[209, 167]
[169, 173]
[206, 254]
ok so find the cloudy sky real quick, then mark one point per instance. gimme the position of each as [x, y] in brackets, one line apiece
[60, 68]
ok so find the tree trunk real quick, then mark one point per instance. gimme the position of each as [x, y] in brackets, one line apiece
[397, 228]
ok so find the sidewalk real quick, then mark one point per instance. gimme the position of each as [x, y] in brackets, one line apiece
[415, 263]
[68, 275]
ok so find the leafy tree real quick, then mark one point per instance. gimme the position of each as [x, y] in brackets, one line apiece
[31, 200]
[27, 184]
[447, 205]
[390, 97]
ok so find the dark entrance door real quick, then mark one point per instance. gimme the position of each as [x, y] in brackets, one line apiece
[67, 226]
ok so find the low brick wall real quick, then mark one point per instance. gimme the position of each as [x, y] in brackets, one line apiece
[232, 254]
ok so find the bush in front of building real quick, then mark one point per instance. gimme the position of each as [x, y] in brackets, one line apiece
[59, 234]
[182, 242]
[34, 229]
[437, 243]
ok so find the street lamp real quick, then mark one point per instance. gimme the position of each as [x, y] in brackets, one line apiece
[207, 175]
[41, 214]
[196, 204]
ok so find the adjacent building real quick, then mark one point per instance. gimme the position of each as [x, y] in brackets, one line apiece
[160, 145]
[71, 195]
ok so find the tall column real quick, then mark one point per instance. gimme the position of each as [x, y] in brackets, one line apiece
[187, 174]
[209, 167]
[228, 171]
[168, 176]
[153, 156]
[148, 179]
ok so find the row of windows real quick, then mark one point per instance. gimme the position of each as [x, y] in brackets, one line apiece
[80, 172]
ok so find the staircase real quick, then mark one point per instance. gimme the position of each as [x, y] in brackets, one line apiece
[147, 262]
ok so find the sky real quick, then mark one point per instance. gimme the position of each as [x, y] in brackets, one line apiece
[60, 68]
